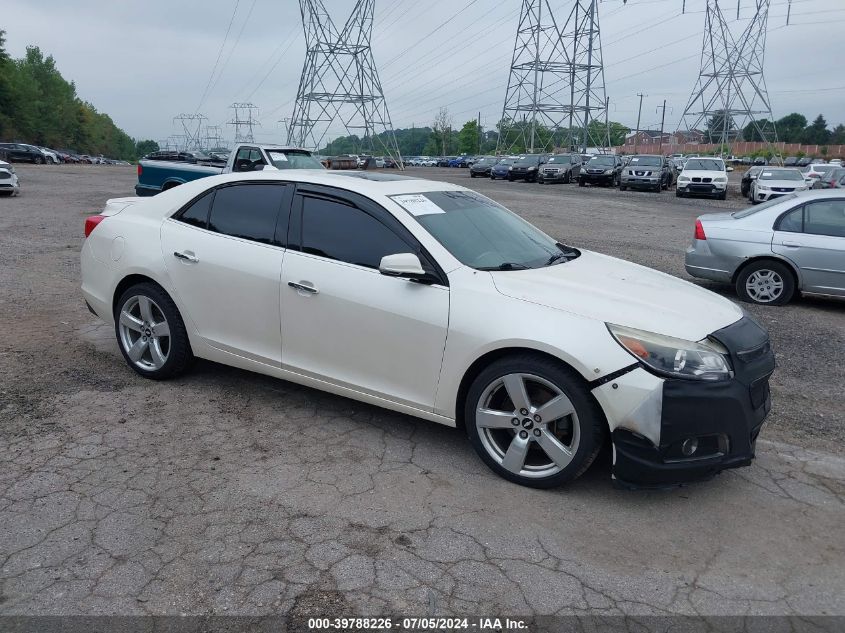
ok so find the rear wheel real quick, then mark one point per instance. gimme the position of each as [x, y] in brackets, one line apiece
[532, 421]
[765, 282]
[151, 333]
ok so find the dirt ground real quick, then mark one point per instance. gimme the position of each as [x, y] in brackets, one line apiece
[228, 492]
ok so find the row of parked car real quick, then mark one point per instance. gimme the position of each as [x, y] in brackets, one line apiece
[25, 153]
[760, 184]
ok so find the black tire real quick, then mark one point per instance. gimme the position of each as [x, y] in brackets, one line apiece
[567, 178]
[622, 187]
[471, 175]
[763, 266]
[723, 195]
[588, 416]
[179, 357]
[679, 193]
[510, 178]
[582, 182]
[38, 160]
[492, 177]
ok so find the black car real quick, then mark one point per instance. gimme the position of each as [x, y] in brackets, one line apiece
[560, 168]
[481, 167]
[601, 170]
[748, 179]
[759, 161]
[20, 153]
[804, 161]
[790, 161]
[526, 167]
[443, 161]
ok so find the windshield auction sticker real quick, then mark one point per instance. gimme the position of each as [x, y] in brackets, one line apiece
[417, 204]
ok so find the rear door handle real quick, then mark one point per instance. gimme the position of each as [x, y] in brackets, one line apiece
[303, 287]
[791, 244]
[188, 257]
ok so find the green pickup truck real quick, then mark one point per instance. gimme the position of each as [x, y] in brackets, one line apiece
[161, 171]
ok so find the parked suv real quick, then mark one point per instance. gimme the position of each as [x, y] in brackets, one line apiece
[20, 153]
[560, 168]
[601, 170]
[647, 171]
[704, 177]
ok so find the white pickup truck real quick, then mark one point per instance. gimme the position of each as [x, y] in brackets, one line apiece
[161, 171]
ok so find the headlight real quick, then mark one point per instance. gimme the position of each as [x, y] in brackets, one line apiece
[671, 356]
[532, 168]
[683, 179]
[510, 168]
[720, 179]
[801, 189]
[762, 187]
[608, 172]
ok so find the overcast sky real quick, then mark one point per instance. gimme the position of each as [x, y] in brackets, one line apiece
[145, 62]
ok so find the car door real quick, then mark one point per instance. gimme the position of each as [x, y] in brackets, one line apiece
[225, 262]
[342, 320]
[813, 237]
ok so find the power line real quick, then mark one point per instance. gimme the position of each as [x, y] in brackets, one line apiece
[219, 53]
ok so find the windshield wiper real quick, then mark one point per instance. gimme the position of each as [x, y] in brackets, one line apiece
[506, 266]
[566, 253]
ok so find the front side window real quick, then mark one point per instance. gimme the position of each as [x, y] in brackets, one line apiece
[248, 211]
[345, 233]
[480, 233]
[825, 218]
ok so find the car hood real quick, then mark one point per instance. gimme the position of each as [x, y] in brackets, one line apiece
[704, 173]
[616, 291]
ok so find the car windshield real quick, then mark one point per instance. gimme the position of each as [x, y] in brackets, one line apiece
[780, 174]
[705, 164]
[506, 161]
[482, 234]
[762, 206]
[289, 159]
[602, 161]
[528, 160]
[822, 168]
[646, 161]
[486, 161]
[561, 159]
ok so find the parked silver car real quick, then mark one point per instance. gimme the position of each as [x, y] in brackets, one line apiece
[775, 249]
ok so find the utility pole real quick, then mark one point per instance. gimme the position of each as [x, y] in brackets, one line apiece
[662, 122]
[340, 81]
[480, 135]
[639, 117]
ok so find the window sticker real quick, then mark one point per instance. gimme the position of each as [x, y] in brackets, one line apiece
[279, 156]
[635, 160]
[417, 204]
[767, 174]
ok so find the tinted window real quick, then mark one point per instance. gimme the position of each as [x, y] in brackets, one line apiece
[197, 213]
[342, 232]
[825, 218]
[248, 211]
[793, 221]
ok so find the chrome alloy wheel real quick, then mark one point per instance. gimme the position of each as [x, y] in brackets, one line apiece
[764, 286]
[144, 333]
[527, 425]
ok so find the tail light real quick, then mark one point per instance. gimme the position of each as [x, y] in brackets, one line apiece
[699, 231]
[91, 223]
[140, 170]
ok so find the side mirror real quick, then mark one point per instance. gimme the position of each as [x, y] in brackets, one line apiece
[406, 265]
[259, 167]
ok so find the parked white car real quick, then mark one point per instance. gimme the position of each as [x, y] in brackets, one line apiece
[703, 177]
[430, 299]
[9, 183]
[774, 182]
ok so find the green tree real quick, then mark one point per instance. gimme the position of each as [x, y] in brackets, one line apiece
[838, 135]
[761, 130]
[142, 148]
[791, 127]
[469, 138]
[721, 128]
[816, 133]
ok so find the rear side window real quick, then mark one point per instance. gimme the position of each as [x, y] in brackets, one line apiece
[197, 213]
[345, 233]
[825, 218]
[248, 211]
[793, 222]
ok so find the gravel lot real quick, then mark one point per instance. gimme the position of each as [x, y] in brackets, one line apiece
[227, 492]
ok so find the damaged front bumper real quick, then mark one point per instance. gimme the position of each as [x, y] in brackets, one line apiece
[671, 431]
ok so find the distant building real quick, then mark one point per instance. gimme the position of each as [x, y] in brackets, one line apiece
[684, 137]
[647, 137]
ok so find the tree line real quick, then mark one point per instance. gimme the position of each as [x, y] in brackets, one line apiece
[40, 107]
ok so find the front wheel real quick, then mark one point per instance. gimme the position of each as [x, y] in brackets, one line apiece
[765, 282]
[150, 332]
[532, 421]
[622, 187]
[567, 178]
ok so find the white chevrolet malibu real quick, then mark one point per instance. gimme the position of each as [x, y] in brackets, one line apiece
[433, 300]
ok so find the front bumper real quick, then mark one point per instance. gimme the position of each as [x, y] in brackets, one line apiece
[555, 176]
[598, 179]
[724, 417]
[479, 171]
[522, 174]
[702, 189]
[771, 194]
[640, 181]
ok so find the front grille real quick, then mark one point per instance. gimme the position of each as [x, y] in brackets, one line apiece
[699, 179]
[550, 171]
[783, 189]
[595, 171]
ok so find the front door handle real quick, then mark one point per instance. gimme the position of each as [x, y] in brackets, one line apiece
[791, 244]
[303, 287]
[188, 257]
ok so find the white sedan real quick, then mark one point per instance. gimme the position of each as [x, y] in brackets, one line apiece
[430, 299]
[776, 182]
[9, 184]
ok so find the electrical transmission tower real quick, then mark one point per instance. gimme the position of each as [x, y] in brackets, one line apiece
[244, 120]
[214, 137]
[340, 82]
[731, 91]
[192, 125]
[556, 81]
